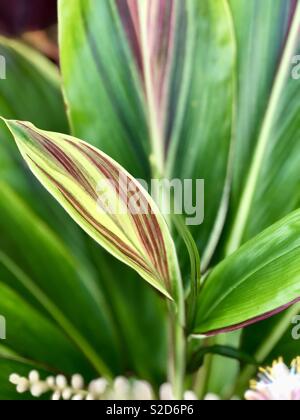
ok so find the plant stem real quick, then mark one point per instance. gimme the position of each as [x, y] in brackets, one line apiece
[203, 376]
[156, 136]
[177, 336]
[177, 346]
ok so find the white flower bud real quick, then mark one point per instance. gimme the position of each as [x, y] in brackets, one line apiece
[98, 387]
[77, 382]
[77, 397]
[67, 394]
[190, 395]
[38, 389]
[50, 381]
[56, 396]
[166, 392]
[14, 379]
[22, 386]
[61, 381]
[34, 376]
[142, 391]
[122, 388]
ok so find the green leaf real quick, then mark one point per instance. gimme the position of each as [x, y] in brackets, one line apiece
[201, 107]
[178, 62]
[195, 263]
[275, 337]
[31, 89]
[52, 349]
[50, 273]
[197, 358]
[257, 281]
[31, 92]
[110, 205]
[101, 83]
[136, 309]
[268, 143]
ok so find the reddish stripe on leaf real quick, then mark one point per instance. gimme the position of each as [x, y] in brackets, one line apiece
[129, 14]
[147, 225]
[108, 235]
[158, 254]
[252, 321]
[65, 162]
[161, 30]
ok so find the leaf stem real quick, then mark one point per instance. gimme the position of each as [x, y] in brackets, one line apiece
[177, 337]
[177, 347]
[156, 136]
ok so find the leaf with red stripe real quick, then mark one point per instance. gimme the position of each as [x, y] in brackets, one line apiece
[257, 281]
[161, 83]
[104, 199]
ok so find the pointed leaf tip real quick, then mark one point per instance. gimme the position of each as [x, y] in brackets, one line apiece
[104, 199]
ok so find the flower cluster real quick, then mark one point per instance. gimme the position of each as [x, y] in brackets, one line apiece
[99, 389]
[274, 383]
[277, 383]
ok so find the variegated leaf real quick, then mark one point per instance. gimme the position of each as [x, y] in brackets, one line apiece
[107, 202]
[161, 83]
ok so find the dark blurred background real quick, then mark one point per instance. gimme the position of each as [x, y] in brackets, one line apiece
[32, 20]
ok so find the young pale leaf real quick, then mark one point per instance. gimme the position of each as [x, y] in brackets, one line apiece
[109, 204]
[260, 279]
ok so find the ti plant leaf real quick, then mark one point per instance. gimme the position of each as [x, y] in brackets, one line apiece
[259, 280]
[101, 83]
[37, 78]
[104, 200]
[268, 146]
[161, 84]
[44, 275]
[31, 75]
[24, 326]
